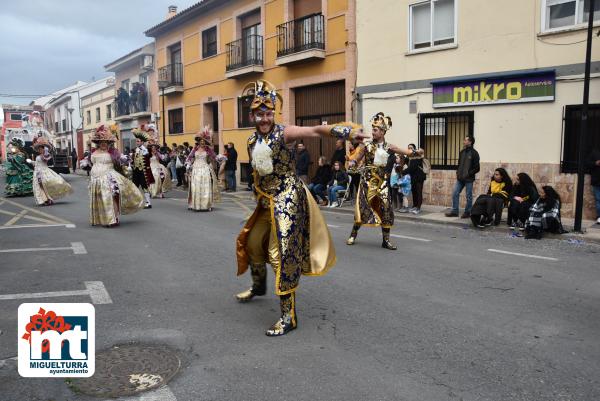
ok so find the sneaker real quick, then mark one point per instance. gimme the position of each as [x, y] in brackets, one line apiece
[415, 211]
[521, 226]
[451, 213]
[465, 215]
[512, 224]
[598, 220]
[403, 210]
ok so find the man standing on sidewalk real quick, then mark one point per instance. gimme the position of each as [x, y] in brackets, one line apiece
[302, 163]
[594, 165]
[468, 166]
[231, 167]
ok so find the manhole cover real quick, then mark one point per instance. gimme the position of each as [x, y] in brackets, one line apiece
[129, 369]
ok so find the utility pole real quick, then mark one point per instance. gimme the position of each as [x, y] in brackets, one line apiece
[583, 129]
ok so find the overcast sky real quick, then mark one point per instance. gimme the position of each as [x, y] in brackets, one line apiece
[47, 45]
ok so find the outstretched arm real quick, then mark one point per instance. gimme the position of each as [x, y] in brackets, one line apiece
[406, 151]
[344, 131]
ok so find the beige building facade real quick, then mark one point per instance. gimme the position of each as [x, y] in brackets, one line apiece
[508, 72]
[135, 98]
[97, 109]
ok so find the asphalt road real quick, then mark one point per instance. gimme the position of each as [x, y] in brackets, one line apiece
[441, 318]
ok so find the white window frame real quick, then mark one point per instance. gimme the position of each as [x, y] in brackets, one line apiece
[545, 22]
[411, 49]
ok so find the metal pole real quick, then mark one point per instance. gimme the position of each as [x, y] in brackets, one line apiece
[583, 129]
[163, 118]
[71, 120]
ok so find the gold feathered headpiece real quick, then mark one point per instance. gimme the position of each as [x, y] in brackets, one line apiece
[381, 121]
[265, 94]
[141, 133]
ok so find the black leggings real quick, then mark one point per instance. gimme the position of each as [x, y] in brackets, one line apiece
[518, 211]
[486, 209]
[417, 192]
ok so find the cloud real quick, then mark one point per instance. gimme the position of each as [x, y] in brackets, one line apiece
[48, 45]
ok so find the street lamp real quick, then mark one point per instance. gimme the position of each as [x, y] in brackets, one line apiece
[71, 110]
[162, 84]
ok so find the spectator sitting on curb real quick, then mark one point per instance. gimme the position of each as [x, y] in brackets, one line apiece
[488, 208]
[544, 215]
[524, 195]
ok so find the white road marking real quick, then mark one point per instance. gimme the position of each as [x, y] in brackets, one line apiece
[98, 292]
[15, 218]
[333, 226]
[94, 289]
[523, 254]
[77, 247]
[162, 394]
[37, 226]
[411, 238]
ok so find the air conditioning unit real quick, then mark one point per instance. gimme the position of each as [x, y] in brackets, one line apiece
[148, 62]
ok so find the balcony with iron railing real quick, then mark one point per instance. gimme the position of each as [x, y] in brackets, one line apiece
[244, 56]
[172, 76]
[301, 39]
[132, 104]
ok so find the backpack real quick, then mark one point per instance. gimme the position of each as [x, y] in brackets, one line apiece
[426, 166]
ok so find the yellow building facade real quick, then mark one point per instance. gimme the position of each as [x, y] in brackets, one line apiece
[207, 53]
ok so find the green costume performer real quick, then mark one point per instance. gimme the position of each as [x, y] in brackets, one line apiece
[19, 176]
[286, 229]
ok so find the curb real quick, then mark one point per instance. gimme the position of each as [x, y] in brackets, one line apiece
[463, 223]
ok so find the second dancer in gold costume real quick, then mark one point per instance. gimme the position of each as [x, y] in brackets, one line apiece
[373, 206]
[286, 229]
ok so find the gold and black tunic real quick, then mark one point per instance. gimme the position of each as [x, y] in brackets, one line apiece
[373, 203]
[299, 241]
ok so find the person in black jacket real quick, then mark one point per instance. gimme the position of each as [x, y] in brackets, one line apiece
[230, 168]
[594, 166]
[339, 155]
[417, 178]
[338, 181]
[524, 194]
[302, 162]
[320, 180]
[468, 166]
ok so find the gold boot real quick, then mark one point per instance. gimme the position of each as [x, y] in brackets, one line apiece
[259, 283]
[288, 321]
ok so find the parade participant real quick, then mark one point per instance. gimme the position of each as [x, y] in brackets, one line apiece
[111, 194]
[47, 185]
[203, 189]
[373, 202]
[160, 173]
[19, 176]
[286, 229]
[141, 171]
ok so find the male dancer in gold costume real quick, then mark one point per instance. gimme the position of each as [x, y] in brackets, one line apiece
[286, 229]
[373, 201]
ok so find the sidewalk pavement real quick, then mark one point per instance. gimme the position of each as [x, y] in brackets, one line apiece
[436, 215]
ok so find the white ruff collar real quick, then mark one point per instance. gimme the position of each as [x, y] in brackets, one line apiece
[262, 161]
